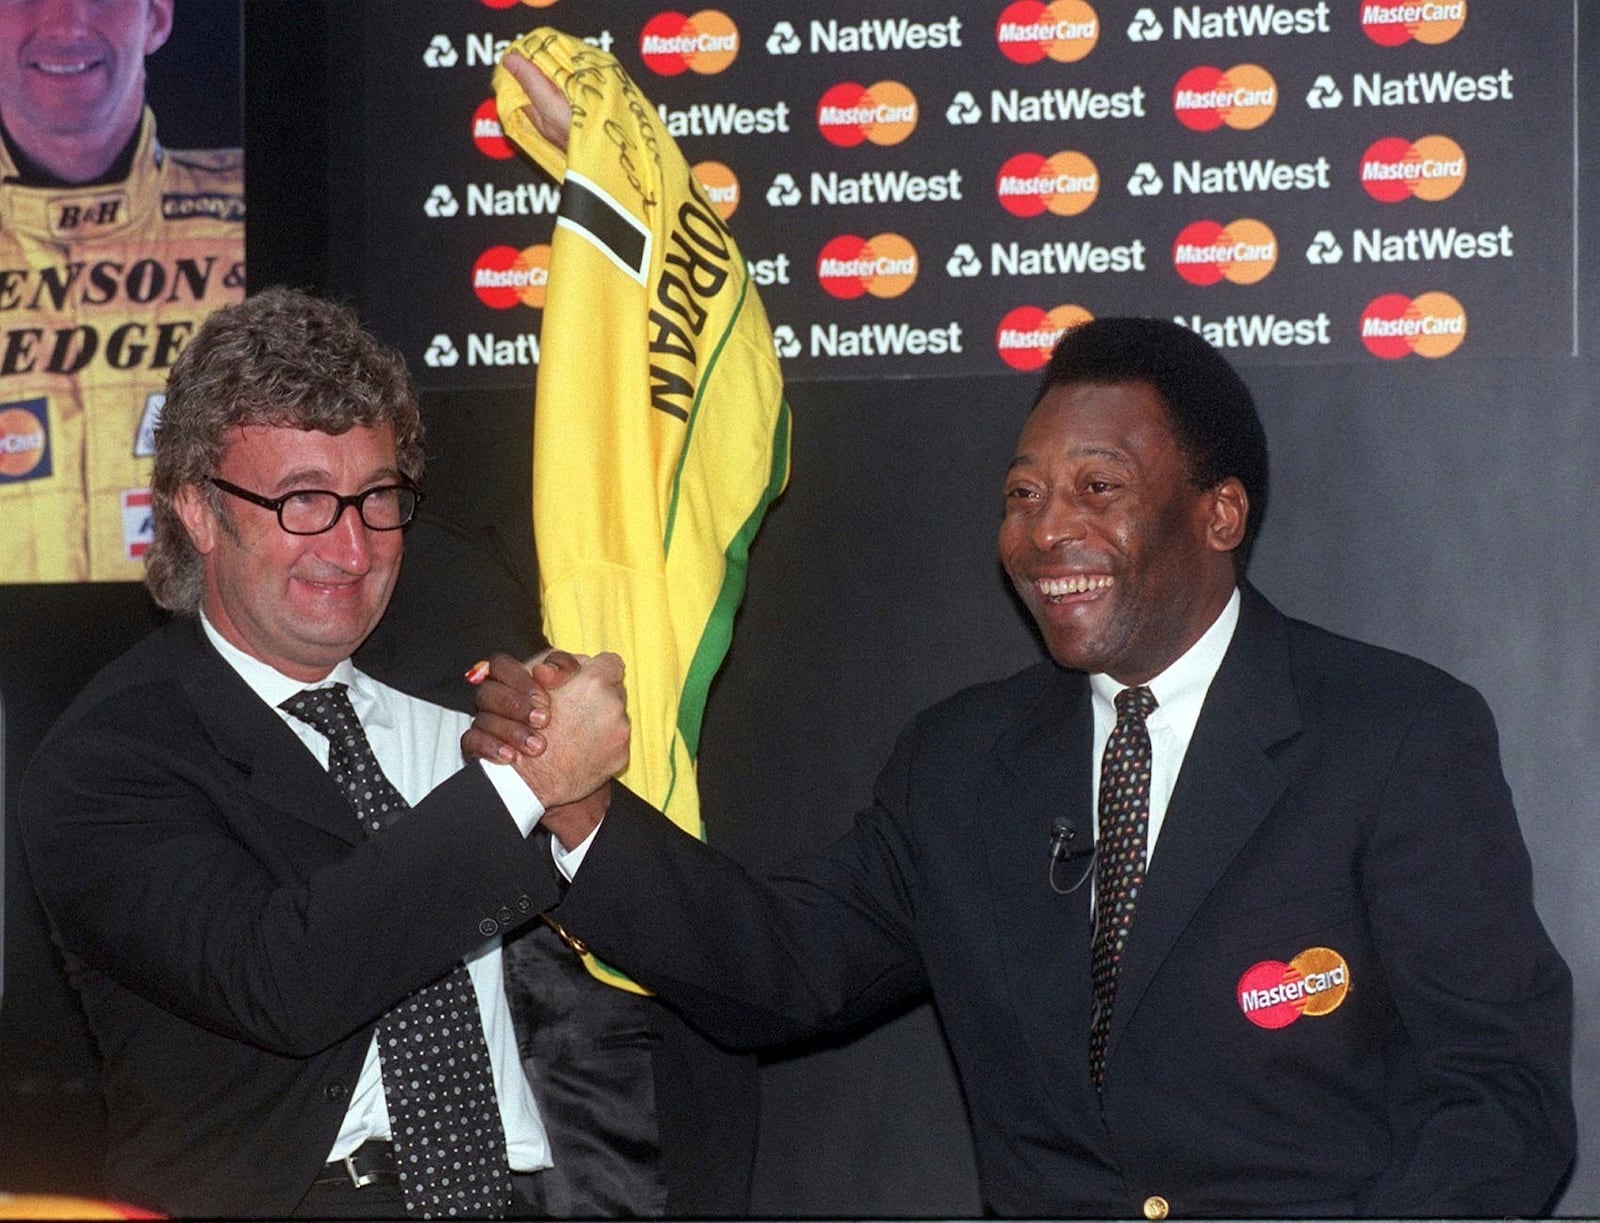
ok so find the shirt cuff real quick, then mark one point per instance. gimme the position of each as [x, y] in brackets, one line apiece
[569, 860]
[516, 794]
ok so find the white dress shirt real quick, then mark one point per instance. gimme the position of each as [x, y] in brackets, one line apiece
[418, 746]
[1180, 691]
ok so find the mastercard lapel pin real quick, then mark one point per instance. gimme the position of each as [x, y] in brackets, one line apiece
[1273, 994]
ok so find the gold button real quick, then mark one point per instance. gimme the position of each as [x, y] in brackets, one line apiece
[1155, 1207]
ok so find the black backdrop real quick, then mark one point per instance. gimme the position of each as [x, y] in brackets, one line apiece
[1441, 508]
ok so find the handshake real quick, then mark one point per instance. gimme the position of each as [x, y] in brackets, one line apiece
[562, 722]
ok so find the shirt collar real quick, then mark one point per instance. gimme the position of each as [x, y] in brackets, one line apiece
[267, 682]
[1181, 688]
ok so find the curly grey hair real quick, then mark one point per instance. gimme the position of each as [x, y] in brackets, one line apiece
[282, 358]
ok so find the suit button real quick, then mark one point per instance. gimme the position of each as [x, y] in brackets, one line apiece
[524, 903]
[335, 1091]
[505, 915]
[488, 926]
[1155, 1207]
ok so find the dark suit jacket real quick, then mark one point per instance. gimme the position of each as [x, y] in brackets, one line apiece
[232, 934]
[1334, 796]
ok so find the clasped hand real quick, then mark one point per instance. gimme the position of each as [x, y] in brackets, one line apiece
[562, 723]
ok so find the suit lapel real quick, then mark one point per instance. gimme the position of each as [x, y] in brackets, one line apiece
[1228, 784]
[1044, 937]
[282, 773]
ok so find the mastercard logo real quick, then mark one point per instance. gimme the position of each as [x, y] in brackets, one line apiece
[884, 266]
[706, 42]
[504, 276]
[1395, 326]
[1029, 31]
[1027, 335]
[487, 133]
[1273, 994]
[720, 185]
[1243, 97]
[1432, 168]
[1242, 252]
[24, 441]
[1064, 184]
[1392, 25]
[504, 4]
[885, 114]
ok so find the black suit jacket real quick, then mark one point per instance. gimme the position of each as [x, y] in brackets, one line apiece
[1333, 796]
[233, 935]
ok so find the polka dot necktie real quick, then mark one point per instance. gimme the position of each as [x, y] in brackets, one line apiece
[1119, 858]
[449, 1144]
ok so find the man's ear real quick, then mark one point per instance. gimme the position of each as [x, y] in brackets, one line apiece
[197, 516]
[1230, 511]
[159, 27]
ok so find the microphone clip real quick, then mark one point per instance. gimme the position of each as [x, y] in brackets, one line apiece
[1062, 834]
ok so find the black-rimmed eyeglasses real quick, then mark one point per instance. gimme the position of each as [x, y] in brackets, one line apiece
[311, 511]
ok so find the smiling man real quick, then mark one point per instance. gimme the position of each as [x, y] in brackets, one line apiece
[72, 79]
[279, 894]
[115, 249]
[1300, 973]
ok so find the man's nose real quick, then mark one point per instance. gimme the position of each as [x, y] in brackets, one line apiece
[347, 543]
[1060, 521]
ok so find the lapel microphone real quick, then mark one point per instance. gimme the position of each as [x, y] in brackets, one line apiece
[1063, 832]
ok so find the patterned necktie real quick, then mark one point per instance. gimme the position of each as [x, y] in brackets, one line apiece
[1119, 860]
[449, 1144]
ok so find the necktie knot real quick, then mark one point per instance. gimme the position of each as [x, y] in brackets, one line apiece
[1135, 704]
[326, 709]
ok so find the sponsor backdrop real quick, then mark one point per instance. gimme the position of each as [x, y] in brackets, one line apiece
[941, 189]
[1441, 504]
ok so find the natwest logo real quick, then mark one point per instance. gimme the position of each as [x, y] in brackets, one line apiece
[884, 266]
[1248, 21]
[1247, 174]
[1064, 30]
[485, 50]
[1064, 184]
[503, 276]
[884, 113]
[1261, 330]
[720, 184]
[883, 340]
[671, 43]
[1056, 105]
[725, 119]
[486, 132]
[1395, 326]
[884, 34]
[1391, 25]
[1428, 88]
[1026, 336]
[1242, 252]
[1243, 97]
[1432, 168]
[882, 187]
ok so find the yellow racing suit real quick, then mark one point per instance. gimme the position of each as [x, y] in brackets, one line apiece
[100, 287]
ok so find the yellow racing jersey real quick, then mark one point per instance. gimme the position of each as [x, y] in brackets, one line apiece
[660, 433]
[100, 287]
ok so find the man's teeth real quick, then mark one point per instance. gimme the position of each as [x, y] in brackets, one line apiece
[1077, 585]
[64, 69]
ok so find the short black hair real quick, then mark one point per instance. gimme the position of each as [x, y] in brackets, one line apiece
[1212, 412]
